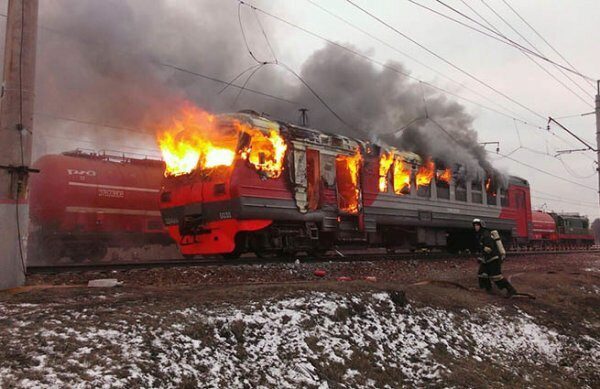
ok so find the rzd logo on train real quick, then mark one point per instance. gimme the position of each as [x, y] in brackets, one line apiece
[76, 172]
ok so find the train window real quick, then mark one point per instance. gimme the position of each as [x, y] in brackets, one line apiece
[424, 191]
[443, 191]
[460, 191]
[476, 192]
[586, 224]
[503, 198]
[491, 198]
[576, 223]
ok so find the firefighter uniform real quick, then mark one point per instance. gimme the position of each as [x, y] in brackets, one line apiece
[490, 262]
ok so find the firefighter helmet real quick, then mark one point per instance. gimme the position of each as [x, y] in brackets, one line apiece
[479, 221]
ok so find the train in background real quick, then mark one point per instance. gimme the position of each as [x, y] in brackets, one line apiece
[284, 188]
[84, 202]
[550, 230]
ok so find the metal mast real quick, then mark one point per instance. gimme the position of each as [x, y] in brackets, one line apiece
[16, 121]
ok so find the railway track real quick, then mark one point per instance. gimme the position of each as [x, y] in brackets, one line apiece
[105, 267]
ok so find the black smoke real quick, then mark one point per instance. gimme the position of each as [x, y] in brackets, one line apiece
[105, 62]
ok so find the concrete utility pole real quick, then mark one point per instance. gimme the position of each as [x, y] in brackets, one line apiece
[598, 134]
[16, 123]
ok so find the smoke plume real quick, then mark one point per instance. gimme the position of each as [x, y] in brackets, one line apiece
[106, 62]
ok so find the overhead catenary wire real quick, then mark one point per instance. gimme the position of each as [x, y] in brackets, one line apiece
[547, 173]
[448, 62]
[289, 69]
[389, 67]
[520, 47]
[494, 35]
[421, 63]
[545, 41]
[583, 99]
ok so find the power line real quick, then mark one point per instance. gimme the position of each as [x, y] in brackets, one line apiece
[585, 101]
[545, 41]
[499, 38]
[394, 48]
[389, 67]
[91, 123]
[286, 67]
[175, 67]
[548, 173]
[442, 58]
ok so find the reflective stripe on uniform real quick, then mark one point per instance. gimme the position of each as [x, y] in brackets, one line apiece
[483, 275]
[492, 259]
[497, 278]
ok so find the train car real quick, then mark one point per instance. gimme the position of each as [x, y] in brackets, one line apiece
[573, 230]
[544, 233]
[81, 203]
[286, 188]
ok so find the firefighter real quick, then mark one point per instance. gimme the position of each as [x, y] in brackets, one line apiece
[490, 260]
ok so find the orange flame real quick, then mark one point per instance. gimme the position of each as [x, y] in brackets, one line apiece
[264, 152]
[385, 162]
[195, 140]
[425, 174]
[401, 176]
[348, 167]
[444, 176]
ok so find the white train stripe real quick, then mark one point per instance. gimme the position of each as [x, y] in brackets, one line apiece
[116, 211]
[113, 187]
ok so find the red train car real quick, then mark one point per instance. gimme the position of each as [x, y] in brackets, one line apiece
[330, 189]
[82, 203]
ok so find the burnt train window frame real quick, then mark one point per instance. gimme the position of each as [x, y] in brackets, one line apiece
[477, 189]
[460, 191]
[442, 189]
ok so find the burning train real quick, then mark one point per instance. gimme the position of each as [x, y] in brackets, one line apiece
[242, 182]
[245, 183]
[82, 203]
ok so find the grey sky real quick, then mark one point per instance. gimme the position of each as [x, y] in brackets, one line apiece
[570, 26]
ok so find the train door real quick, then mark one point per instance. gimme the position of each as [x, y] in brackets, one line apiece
[349, 192]
[521, 212]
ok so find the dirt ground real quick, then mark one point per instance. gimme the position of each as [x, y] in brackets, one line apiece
[566, 290]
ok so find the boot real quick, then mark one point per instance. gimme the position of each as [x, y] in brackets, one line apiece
[510, 290]
[504, 284]
[485, 283]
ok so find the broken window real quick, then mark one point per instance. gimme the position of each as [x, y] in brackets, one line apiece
[442, 183]
[460, 190]
[424, 177]
[476, 192]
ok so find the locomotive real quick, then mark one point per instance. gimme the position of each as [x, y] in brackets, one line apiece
[84, 202]
[275, 188]
[560, 230]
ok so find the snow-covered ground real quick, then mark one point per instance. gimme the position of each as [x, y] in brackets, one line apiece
[314, 339]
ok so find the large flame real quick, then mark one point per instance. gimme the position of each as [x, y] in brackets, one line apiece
[348, 168]
[195, 140]
[401, 176]
[264, 152]
[385, 162]
[444, 176]
[425, 173]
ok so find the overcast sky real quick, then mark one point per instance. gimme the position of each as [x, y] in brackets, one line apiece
[570, 26]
